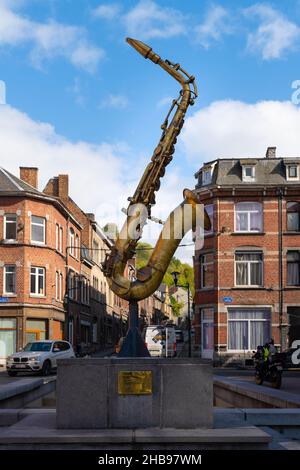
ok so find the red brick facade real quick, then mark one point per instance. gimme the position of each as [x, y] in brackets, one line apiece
[223, 264]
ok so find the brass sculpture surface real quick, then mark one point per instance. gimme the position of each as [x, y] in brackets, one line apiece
[149, 278]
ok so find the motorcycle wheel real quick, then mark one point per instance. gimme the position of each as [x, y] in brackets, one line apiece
[258, 380]
[276, 381]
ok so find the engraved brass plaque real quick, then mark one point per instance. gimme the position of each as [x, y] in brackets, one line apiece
[135, 382]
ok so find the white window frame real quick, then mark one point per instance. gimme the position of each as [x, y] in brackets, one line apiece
[5, 268]
[210, 207]
[76, 246]
[39, 225]
[206, 176]
[248, 212]
[61, 239]
[249, 320]
[37, 275]
[9, 222]
[57, 237]
[249, 178]
[72, 242]
[56, 285]
[292, 178]
[61, 283]
[249, 262]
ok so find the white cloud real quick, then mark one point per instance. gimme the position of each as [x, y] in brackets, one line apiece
[237, 129]
[100, 176]
[95, 170]
[48, 40]
[216, 24]
[148, 20]
[167, 100]
[275, 34]
[107, 11]
[114, 101]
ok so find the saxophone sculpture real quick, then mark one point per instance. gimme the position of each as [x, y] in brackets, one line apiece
[149, 278]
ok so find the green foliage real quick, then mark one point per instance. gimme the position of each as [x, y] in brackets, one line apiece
[176, 306]
[186, 271]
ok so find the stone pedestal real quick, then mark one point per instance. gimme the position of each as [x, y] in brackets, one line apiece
[88, 396]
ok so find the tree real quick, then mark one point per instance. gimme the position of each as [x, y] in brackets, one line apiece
[176, 306]
[186, 271]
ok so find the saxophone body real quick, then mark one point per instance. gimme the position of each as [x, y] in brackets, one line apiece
[180, 220]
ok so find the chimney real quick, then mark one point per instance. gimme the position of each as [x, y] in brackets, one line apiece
[29, 175]
[91, 216]
[271, 152]
[63, 186]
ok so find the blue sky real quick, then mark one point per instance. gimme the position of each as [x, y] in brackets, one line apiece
[79, 99]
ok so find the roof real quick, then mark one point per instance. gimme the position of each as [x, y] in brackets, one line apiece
[268, 172]
[10, 183]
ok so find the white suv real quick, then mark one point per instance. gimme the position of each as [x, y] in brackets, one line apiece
[39, 356]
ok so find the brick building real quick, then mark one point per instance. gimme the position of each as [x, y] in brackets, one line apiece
[247, 274]
[33, 229]
[96, 316]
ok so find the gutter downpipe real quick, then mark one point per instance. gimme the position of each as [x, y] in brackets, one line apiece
[280, 272]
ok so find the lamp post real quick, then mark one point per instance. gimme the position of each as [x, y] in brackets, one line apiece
[175, 275]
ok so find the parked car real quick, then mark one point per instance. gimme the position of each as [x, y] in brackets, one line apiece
[161, 341]
[39, 356]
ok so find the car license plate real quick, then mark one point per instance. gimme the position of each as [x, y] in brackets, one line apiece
[20, 366]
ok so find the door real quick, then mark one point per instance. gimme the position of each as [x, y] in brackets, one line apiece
[8, 330]
[207, 333]
[58, 352]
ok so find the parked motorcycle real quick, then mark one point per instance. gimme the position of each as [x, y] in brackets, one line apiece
[270, 370]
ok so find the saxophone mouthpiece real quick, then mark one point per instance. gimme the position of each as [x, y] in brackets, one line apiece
[139, 46]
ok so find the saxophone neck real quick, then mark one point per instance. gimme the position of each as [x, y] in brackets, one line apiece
[175, 70]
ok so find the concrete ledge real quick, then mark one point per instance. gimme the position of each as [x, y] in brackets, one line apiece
[9, 417]
[18, 387]
[21, 392]
[234, 392]
[38, 429]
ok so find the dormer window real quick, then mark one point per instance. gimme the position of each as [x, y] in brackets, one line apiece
[248, 173]
[206, 176]
[292, 172]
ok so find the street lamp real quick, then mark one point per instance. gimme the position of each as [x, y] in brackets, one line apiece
[175, 275]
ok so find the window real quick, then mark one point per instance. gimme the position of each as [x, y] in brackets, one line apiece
[61, 286]
[293, 268]
[37, 281]
[72, 242]
[61, 239]
[36, 330]
[76, 246]
[248, 329]
[8, 333]
[10, 279]
[57, 285]
[248, 217]
[96, 251]
[292, 216]
[292, 172]
[207, 270]
[248, 269]
[206, 176]
[248, 173]
[10, 227]
[38, 225]
[57, 237]
[210, 212]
